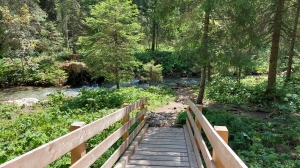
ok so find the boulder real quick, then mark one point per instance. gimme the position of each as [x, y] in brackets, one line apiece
[73, 67]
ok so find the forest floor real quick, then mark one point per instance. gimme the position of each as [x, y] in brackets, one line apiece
[166, 115]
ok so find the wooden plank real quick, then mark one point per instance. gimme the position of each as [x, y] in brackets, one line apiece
[165, 158]
[157, 163]
[134, 145]
[155, 142]
[98, 150]
[166, 133]
[115, 156]
[204, 150]
[79, 151]
[163, 137]
[164, 140]
[138, 166]
[155, 137]
[124, 121]
[161, 146]
[227, 156]
[223, 132]
[161, 129]
[161, 149]
[143, 116]
[198, 124]
[197, 154]
[161, 153]
[49, 152]
[194, 156]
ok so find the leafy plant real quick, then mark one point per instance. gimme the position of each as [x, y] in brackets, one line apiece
[52, 119]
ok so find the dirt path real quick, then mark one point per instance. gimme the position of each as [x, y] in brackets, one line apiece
[165, 116]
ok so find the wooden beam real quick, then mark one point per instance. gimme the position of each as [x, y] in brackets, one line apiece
[49, 152]
[194, 155]
[199, 106]
[227, 156]
[141, 108]
[223, 132]
[79, 151]
[98, 150]
[124, 121]
[115, 156]
[203, 148]
[134, 145]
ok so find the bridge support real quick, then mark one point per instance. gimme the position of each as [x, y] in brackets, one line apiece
[79, 151]
[223, 132]
[124, 121]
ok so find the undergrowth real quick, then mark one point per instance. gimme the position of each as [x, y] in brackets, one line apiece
[259, 142]
[251, 91]
[52, 119]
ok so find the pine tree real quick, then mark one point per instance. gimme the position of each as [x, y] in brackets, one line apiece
[116, 36]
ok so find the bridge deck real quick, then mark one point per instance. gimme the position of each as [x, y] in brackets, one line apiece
[164, 147]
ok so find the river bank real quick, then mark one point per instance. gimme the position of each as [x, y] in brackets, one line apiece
[41, 93]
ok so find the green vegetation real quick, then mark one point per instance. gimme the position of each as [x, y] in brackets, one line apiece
[250, 91]
[258, 141]
[173, 64]
[115, 38]
[21, 132]
[261, 142]
[77, 42]
[152, 72]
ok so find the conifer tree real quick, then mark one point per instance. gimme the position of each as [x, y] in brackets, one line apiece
[115, 38]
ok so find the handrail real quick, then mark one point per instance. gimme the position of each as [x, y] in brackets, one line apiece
[223, 155]
[51, 151]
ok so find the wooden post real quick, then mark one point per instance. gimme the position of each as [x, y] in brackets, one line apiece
[143, 116]
[79, 151]
[199, 106]
[124, 121]
[223, 132]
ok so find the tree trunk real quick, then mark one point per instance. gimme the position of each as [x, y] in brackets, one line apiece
[154, 28]
[293, 36]
[239, 74]
[117, 78]
[153, 35]
[73, 29]
[205, 53]
[23, 69]
[271, 87]
[209, 72]
[202, 86]
[64, 23]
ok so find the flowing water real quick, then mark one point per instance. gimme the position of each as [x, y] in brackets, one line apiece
[41, 93]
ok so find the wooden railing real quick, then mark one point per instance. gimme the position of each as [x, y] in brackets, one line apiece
[222, 155]
[75, 141]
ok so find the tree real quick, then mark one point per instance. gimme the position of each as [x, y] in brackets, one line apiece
[116, 36]
[17, 41]
[204, 49]
[71, 21]
[153, 72]
[293, 39]
[277, 24]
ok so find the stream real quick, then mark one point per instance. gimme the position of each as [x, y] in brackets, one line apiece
[42, 93]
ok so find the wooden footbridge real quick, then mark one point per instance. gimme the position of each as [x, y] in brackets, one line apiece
[145, 147]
